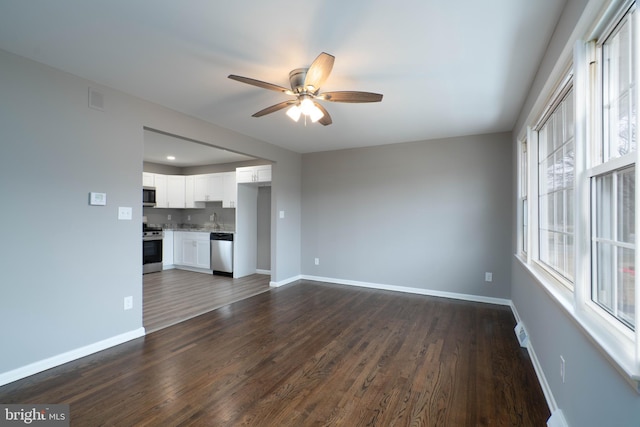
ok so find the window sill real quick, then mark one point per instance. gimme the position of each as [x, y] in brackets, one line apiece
[618, 350]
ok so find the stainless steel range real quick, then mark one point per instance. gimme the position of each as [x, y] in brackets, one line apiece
[151, 249]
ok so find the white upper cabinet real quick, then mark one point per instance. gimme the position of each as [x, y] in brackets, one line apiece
[160, 182]
[209, 187]
[230, 190]
[170, 189]
[148, 179]
[190, 193]
[260, 173]
[175, 191]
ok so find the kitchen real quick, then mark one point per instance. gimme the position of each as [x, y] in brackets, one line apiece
[206, 212]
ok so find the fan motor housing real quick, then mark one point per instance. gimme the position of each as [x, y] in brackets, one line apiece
[296, 79]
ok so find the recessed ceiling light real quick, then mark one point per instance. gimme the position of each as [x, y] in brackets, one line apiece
[171, 158]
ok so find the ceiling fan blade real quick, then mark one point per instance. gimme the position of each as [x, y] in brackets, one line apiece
[260, 83]
[318, 72]
[275, 108]
[326, 119]
[350, 96]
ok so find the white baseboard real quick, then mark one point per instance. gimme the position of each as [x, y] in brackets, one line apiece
[194, 269]
[285, 281]
[542, 379]
[557, 420]
[60, 359]
[411, 290]
[259, 271]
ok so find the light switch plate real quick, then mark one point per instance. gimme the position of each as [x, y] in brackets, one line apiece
[97, 199]
[281, 214]
[125, 213]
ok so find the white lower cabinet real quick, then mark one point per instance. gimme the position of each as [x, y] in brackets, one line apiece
[167, 249]
[191, 249]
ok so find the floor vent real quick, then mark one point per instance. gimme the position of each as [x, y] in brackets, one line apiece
[521, 333]
[96, 99]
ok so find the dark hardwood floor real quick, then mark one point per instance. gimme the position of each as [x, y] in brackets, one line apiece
[308, 354]
[172, 296]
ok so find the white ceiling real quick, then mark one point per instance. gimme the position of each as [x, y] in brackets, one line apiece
[446, 68]
[159, 146]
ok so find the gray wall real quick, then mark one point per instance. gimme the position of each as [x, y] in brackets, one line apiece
[431, 215]
[264, 228]
[66, 266]
[594, 393]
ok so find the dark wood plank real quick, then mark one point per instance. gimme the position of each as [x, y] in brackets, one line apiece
[308, 354]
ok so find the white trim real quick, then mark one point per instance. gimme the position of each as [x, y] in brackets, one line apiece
[603, 337]
[557, 419]
[614, 164]
[285, 281]
[542, 379]
[411, 290]
[260, 271]
[194, 269]
[69, 356]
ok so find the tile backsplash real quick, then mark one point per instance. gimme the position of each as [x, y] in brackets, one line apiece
[192, 217]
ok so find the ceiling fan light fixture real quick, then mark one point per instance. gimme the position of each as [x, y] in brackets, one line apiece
[305, 86]
[306, 105]
[294, 112]
[316, 114]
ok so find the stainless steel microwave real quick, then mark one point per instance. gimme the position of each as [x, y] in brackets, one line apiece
[148, 196]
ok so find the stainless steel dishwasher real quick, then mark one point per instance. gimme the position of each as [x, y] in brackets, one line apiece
[222, 253]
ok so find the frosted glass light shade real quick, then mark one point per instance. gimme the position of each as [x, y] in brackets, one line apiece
[294, 112]
[316, 114]
[306, 106]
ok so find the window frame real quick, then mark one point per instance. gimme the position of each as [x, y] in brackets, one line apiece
[565, 86]
[523, 192]
[598, 165]
[557, 194]
[618, 343]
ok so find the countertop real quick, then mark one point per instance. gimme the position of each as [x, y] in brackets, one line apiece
[198, 230]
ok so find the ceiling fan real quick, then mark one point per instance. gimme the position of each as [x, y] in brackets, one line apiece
[305, 86]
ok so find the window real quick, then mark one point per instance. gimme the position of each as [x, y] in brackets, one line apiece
[613, 177]
[613, 248]
[577, 187]
[523, 207]
[556, 155]
[619, 102]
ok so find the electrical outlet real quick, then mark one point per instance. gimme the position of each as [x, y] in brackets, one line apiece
[128, 303]
[210, 217]
[168, 217]
[562, 368]
[188, 217]
[317, 261]
[488, 277]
